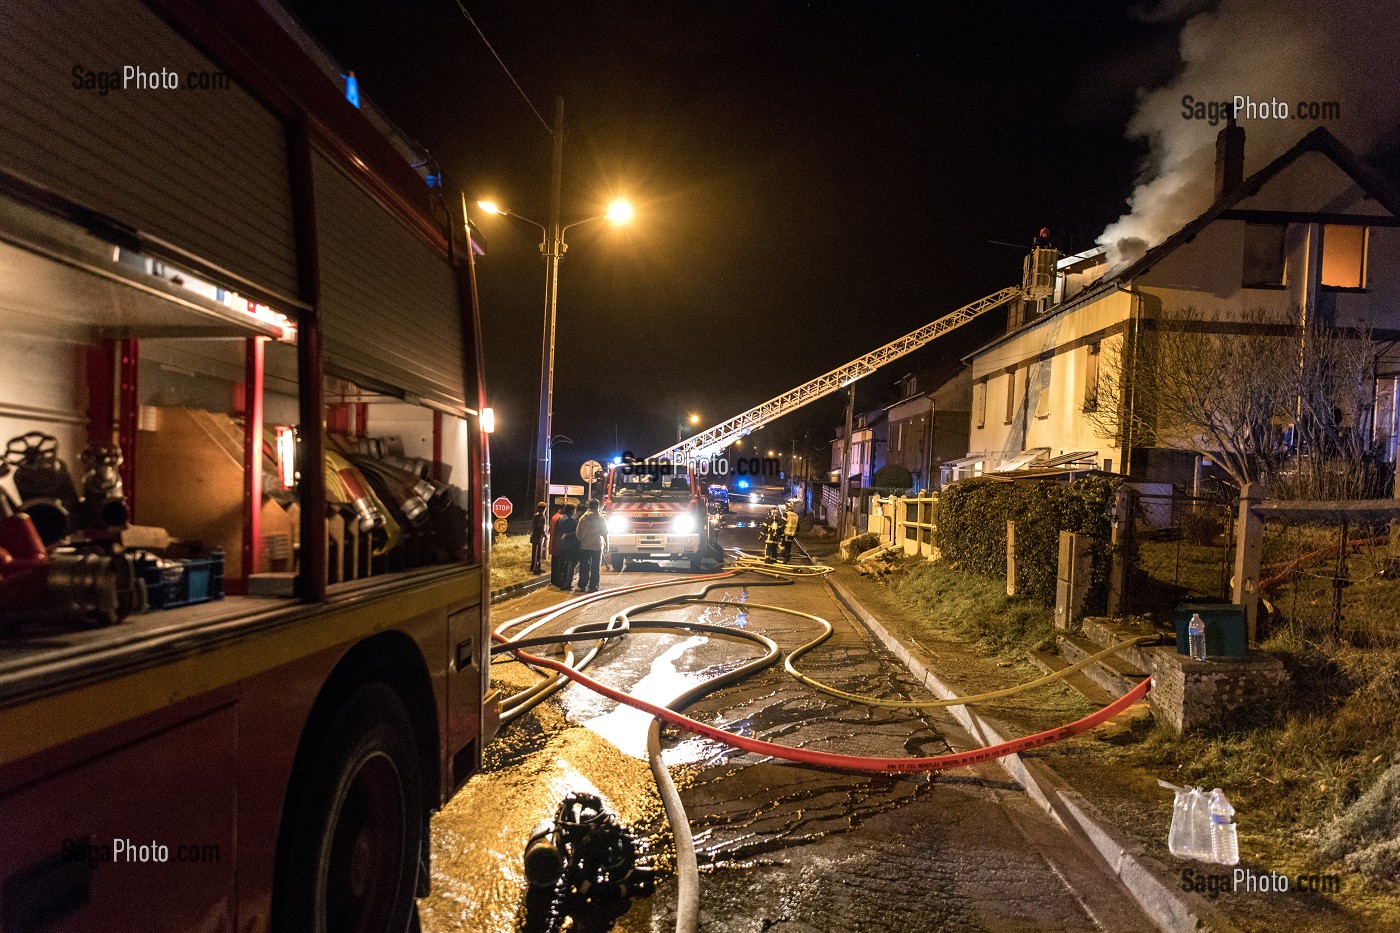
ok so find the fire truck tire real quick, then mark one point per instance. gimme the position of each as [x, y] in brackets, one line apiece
[617, 560]
[351, 853]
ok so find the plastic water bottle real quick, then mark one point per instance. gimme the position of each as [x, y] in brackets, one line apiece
[1224, 839]
[1196, 637]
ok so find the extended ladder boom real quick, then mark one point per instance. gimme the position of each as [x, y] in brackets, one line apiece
[716, 438]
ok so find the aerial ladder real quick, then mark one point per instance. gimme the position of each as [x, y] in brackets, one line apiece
[1038, 282]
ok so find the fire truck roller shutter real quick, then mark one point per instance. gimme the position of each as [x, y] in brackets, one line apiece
[204, 170]
[389, 308]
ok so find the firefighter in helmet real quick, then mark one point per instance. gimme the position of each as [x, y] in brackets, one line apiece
[789, 533]
[772, 536]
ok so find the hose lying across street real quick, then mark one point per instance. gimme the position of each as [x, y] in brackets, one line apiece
[624, 622]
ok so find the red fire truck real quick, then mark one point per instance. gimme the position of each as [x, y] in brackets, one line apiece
[657, 511]
[243, 568]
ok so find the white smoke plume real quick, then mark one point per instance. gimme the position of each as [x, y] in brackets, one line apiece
[1346, 51]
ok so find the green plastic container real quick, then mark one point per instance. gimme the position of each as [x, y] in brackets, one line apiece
[1227, 635]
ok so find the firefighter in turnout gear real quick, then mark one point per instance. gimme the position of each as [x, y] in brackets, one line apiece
[789, 534]
[772, 536]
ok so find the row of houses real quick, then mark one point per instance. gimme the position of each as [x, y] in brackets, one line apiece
[1310, 237]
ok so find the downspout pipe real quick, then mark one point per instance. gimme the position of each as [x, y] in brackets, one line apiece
[1130, 346]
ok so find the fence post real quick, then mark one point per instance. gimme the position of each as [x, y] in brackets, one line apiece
[919, 529]
[1249, 550]
[1072, 578]
[1124, 507]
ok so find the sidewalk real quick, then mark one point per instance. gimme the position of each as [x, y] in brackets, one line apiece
[1081, 780]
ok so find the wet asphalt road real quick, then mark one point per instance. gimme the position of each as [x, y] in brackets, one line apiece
[782, 847]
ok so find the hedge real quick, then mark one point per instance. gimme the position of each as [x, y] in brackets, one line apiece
[972, 517]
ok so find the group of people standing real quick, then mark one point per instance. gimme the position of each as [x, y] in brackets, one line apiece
[575, 542]
[779, 531]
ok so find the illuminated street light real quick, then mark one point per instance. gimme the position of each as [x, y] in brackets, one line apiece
[552, 245]
[693, 418]
[620, 211]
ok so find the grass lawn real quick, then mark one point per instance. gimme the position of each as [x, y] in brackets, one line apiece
[1316, 779]
[510, 560]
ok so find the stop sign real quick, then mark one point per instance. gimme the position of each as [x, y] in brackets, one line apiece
[501, 507]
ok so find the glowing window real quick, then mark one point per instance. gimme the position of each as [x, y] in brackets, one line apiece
[1343, 256]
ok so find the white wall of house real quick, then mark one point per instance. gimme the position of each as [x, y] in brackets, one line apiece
[1051, 364]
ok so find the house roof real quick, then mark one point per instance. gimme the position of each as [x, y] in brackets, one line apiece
[1319, 140]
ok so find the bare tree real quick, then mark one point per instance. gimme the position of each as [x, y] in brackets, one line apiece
[1272, 402]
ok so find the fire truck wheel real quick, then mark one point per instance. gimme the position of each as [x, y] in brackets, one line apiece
[617, 560]
[350, 859]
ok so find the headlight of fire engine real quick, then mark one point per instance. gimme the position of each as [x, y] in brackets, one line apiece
[617, 524]
[753, 497]
[683, 524]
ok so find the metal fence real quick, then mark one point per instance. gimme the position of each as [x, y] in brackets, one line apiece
[1332, 575]
[1184, 550]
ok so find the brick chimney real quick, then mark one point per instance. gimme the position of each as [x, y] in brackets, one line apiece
[1229, 158]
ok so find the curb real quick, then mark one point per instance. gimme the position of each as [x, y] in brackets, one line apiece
[1173, 910]
[518, 589]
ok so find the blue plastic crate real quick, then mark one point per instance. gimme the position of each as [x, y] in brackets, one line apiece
[171, 584]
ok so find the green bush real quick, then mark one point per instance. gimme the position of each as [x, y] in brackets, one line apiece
[972, 517]
[893, 476]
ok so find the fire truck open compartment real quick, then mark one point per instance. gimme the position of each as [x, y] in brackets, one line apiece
[108, 346]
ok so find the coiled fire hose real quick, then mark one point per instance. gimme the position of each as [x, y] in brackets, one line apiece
[621, 623]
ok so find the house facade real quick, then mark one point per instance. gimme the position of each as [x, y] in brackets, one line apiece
[1313, 236]
[929, 428]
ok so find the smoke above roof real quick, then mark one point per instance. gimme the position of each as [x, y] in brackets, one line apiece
[1283, 51]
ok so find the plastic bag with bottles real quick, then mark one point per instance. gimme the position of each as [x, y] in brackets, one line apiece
[1203, 826]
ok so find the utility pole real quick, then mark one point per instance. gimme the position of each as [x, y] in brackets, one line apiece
[553, 248]
[843, 491]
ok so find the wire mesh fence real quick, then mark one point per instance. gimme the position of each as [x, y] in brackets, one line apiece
[1332, 579]
[1184, 551]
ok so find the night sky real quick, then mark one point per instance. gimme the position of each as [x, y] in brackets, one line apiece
[812, 180]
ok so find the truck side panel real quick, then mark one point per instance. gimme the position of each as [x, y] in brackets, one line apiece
[162, 828]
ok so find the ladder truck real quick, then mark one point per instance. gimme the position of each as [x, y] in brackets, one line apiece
[1038, 283]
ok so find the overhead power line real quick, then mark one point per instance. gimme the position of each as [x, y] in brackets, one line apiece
[501, 62]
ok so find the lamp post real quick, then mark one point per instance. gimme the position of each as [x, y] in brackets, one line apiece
[553, 247]
[694, 419]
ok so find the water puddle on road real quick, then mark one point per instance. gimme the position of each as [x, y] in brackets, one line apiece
[626, 727]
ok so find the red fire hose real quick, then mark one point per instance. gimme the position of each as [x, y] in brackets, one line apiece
[834, 760]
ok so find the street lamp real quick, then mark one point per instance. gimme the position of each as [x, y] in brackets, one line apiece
[552, 245]
[694, 419]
